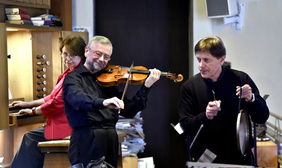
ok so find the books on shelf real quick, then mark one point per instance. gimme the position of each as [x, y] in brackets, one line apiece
[18, 17]
[40, 18]
[51, 23]
[46, 20]
[25, 22]
[11, 11]
[42, 22]
[21, 16]
[44, 17]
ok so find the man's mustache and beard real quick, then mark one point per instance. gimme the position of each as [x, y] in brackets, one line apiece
[95, 65]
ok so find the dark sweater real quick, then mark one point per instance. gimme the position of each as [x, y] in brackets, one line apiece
[219, 134]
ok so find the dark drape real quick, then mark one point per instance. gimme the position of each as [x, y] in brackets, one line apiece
[154, 34]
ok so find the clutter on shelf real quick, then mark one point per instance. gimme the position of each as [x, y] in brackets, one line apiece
[135, 139]
[21, 16]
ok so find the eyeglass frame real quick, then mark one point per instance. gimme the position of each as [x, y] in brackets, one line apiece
[100, 54]
[65, 55]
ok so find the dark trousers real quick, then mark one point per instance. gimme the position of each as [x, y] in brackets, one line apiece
[28, 153]
[88, 144]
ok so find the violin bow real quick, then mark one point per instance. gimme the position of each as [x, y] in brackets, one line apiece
[126, 84]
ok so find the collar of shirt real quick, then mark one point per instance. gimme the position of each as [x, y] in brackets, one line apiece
[82, 69]
[220, 76]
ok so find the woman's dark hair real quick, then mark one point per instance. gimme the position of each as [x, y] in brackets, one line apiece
[75, 45]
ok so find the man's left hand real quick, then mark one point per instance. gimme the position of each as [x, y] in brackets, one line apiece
[246, 92]
[153, 77]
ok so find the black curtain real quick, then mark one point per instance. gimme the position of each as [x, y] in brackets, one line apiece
[154, 34]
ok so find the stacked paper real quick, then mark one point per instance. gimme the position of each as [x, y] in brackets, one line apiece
[134, 140]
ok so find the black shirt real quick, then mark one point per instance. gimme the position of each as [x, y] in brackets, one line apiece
[219, 134]
[83, 100]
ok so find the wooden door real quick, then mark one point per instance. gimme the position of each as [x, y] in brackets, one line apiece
[4, 116]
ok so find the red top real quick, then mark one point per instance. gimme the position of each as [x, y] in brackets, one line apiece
[57, 126]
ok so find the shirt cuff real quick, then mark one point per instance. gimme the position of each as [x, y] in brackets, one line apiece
[253, 98]
[144, 91]
[98, 102]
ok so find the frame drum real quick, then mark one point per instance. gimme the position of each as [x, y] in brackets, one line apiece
[243, 132]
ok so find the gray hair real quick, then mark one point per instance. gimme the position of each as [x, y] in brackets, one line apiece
[102, 40]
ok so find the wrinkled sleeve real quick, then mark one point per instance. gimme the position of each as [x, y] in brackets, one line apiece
[258, 109]
[53, 104]
[75, 97]
[137, 103]
[189, 116]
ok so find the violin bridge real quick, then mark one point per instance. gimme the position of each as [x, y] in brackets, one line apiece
[109, 70]
[126, 75]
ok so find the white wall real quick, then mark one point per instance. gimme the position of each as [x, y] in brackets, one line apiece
[256, 49]
[83, 15]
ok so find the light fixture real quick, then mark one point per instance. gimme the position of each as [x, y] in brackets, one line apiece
[11, 29]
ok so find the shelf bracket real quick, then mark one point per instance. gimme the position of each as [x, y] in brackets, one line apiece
[237, 21]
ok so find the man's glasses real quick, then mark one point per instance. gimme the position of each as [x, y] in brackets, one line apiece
[100, 54]
[65, 55]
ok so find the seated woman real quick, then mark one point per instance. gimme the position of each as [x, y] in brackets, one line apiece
[52, 107]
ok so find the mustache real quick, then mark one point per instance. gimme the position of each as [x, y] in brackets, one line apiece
[95, 65]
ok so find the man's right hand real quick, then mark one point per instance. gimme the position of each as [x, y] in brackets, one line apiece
[212, 109]
[113, 103]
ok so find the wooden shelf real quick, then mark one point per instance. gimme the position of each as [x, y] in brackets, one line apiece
[61, 9]
[25, 4]
[19, 121]
[17, 27]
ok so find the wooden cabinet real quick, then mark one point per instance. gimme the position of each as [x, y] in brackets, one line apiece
[20, 45]
[43, 4]
[23, 43]
[22, 48]
[6, 37]
[267, 154]
[62, 9]
[18, 73]
[33, 8]
[25, 49]
[4, 115]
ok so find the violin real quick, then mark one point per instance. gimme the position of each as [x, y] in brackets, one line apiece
[112, 75]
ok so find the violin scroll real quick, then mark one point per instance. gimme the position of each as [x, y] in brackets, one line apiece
[175, 78]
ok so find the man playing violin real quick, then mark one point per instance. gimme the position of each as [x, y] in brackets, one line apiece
[93, 110]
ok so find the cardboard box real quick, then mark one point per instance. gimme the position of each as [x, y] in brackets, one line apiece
[147, 162]
[130, 162]
[267, 154]
[32, 1]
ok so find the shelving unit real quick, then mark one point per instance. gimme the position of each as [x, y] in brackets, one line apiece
[19, 47]
[14, 27]
[18, 73]
[42, 4]
[23, 43]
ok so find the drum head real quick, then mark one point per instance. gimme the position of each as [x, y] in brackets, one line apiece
[243, 132]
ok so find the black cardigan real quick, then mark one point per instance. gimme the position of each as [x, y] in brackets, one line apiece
[219, 134]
